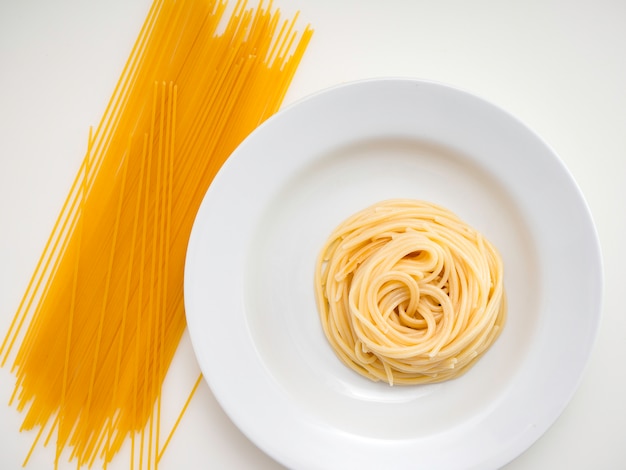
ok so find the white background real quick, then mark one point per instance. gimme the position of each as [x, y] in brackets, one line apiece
[557, 65]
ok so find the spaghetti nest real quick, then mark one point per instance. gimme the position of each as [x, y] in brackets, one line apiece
[408, 293]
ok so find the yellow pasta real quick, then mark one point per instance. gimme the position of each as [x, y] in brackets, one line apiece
[408, 293]
[103, 314]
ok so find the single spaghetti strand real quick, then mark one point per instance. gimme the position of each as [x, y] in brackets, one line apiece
[134, 406]
[144, 251]
[32, 447]
[61, 437]
[168, 166]
[180, 416]
[160, 306]
[153, 310]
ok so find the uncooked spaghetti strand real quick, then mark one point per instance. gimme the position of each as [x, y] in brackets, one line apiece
[180, 417]
[145, 359]
[166, 227]
[63, 435]
[134, 405]
[154, 294]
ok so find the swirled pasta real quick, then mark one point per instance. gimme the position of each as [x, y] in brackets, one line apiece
[408, 293]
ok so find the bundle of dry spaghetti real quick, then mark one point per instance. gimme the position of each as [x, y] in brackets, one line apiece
[103, 314]
[408, 293]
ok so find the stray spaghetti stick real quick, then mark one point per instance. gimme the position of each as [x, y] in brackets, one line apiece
[180, 417]
[167, 209]
[32, 448]
[61, 436]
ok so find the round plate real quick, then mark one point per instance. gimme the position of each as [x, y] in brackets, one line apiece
[249, 291]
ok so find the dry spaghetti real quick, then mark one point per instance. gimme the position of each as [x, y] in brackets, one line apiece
[408, 293]
[103, 313]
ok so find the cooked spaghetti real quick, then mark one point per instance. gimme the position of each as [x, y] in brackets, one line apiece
[103, 313]
[408, 293]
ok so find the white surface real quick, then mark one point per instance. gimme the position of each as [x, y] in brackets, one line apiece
[249, 295]
[557, 65]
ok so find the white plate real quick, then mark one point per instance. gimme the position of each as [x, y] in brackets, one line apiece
[249, 278]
